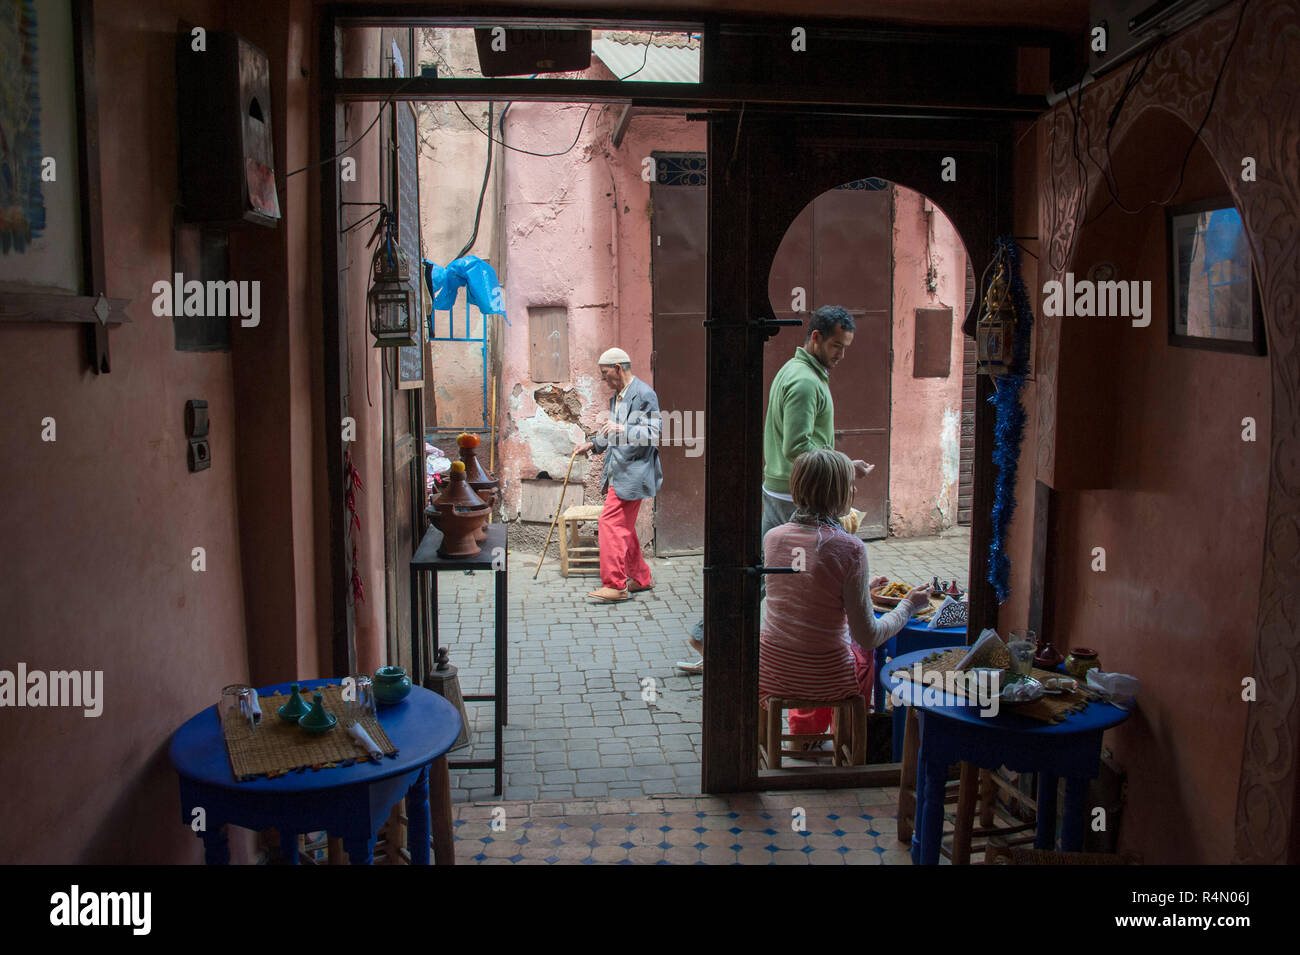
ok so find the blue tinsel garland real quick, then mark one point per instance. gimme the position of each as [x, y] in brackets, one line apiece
[1009, 429]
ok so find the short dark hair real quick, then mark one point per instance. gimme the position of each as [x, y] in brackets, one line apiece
[826, 318]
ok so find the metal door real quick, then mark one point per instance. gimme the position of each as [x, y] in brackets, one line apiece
[678, 233]
[839, 251]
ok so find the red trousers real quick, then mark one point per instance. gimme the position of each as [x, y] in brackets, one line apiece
[620, 551]
[819, 720]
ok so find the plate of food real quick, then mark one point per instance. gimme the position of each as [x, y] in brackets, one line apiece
[891, 593]
[1021, 691]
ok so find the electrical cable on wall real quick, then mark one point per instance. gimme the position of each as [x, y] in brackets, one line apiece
[527, 152]
[346, 149]
[1107, 173]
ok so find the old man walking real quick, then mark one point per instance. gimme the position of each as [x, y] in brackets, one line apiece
[631, 473]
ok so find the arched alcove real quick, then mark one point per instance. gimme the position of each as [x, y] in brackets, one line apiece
[893, 259]
[1151, 467]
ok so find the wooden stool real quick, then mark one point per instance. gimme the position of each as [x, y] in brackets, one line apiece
[848, 731]
[579, 555]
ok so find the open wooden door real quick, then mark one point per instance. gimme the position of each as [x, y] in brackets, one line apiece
[404, 519]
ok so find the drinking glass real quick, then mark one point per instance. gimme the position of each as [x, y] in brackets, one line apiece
[1022, 645]
[236, 707]
[362, 703]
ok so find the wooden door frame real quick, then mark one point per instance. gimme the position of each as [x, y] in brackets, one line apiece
[972, 120]
[747, 220]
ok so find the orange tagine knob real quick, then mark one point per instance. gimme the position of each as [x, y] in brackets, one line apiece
[458, 466]
[467, 440]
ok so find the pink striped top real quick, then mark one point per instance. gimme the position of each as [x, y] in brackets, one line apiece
[811, 616]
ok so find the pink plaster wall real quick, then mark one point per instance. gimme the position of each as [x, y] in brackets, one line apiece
[577, 234]
[365, 370]
[96, 564]
[925, 419]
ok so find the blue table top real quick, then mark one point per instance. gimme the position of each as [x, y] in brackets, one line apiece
[1097, 715]
[922, 626]
[422, 727]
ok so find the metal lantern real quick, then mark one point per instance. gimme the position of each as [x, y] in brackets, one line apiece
[995, 335]
[390, 294]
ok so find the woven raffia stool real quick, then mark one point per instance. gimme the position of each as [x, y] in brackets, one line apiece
[848, 731]
[579, 555]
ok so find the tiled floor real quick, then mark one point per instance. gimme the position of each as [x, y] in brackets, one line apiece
[597, 707]
[844, 827]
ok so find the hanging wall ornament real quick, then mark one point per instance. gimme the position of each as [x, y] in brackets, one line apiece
[352, 484]
[1007, 289]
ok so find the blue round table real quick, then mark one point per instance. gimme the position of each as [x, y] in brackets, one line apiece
[953, 731]
[914, 636]
[348, 802]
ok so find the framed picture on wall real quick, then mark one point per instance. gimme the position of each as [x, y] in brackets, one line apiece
[51, 221]
[1213, 294]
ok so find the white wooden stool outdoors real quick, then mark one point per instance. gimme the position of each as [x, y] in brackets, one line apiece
[579, 555]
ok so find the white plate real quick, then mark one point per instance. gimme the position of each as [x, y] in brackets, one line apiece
[1035, 692]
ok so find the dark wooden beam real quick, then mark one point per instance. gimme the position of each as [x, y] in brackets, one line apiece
[733, 411]
[831, 777]
[1039, 578]
[52, 307]
[94, 279]
[342, 650]
[722, 95]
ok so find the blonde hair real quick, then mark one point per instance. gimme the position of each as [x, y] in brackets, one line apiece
[821, 483]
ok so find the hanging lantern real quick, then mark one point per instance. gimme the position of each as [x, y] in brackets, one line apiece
[390, 292]
[995, 335]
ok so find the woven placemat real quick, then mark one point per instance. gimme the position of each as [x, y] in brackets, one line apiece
[277, 747]
[1049, 708]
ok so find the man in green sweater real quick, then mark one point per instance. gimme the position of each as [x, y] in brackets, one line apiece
[800, 417]
[800, 412]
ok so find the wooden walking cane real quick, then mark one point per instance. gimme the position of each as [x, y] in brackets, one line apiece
[556, 519]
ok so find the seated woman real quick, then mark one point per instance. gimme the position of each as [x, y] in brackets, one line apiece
[818, 631]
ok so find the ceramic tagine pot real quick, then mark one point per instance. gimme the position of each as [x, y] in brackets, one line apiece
[1080, 661]
[1047, 657]
[461, 513]
[480, 481]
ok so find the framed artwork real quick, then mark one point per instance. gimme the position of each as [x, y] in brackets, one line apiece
[51, 217]
[1213, 294]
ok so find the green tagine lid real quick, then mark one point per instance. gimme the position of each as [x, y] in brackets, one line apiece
[296, 708]
[317, 719]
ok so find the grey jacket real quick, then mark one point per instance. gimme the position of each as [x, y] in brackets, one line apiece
[632, 459]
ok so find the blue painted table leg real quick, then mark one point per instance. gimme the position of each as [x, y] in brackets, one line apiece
[929, 811]
[360, 849]
[900, 724]
[1076, 798]
[1046, 835]
[288, 846]
[417, 819]
[216, 850]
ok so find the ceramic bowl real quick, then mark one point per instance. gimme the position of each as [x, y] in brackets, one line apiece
[391, 685]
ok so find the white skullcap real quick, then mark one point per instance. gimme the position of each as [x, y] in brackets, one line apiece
[613, 356]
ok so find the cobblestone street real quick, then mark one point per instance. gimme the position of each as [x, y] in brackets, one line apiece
[579, 726]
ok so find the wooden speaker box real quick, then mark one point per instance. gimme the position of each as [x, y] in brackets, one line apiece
[227, 154]
[523, 52]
